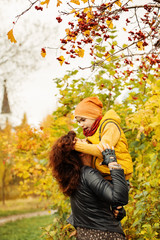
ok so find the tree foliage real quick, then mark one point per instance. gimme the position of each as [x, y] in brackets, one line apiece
[89, 30]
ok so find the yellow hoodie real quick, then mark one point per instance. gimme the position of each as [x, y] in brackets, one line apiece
[109, 131]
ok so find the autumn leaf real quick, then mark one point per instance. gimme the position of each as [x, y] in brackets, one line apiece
[109, 8]
[61, 60]
[140, 45]
[124, 29]
[84, 1]
[87, 33]
[75, 2]
[45, 2]
[118, 3]
[80, 52]
[73, 234]
[107, 56]
[43, 52]
[59, 3]
[110, 24]
[11, 36]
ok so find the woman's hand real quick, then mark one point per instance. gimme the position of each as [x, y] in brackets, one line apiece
[119, 213]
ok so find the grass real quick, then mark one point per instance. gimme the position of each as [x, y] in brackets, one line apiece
[19, 206]
[25, 229]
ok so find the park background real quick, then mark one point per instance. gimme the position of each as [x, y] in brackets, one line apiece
[37, 99]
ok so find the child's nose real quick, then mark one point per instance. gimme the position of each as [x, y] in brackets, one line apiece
[81, 124]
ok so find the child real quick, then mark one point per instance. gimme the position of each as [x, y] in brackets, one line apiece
[102, 130]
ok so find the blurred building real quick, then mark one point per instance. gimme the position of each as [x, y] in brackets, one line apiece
[5, 110]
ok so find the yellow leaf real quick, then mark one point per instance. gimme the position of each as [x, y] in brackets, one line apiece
[109, 8]
[73, 233]
[87, 33]
[61, 60]
[43, 52]
[84, 1]
[66, 226]
[73, 11]
[107, 56]
[110, 24]
[140, 45]
[80, 52]
[45, 2]
[58, 3]
[11, 36]
[118, 3]
[92, 1]
[124, 29]
[75, 2]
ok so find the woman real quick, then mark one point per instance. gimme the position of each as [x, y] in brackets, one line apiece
[92, 197]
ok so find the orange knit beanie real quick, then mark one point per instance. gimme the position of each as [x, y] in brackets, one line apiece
[90, 107]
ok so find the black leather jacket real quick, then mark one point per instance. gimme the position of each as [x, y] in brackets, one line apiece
[92, 202]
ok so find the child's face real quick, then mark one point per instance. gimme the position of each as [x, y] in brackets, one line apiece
[85, 123]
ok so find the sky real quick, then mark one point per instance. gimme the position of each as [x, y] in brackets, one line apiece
[34, 92]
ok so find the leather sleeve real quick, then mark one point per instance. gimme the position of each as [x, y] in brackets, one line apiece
[115, 194]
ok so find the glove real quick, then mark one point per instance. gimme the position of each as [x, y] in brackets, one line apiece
[108, 156]
[121, 213]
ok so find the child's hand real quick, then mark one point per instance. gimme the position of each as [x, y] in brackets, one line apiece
[108, 154]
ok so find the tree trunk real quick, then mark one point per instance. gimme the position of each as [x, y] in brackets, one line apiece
[3, 187]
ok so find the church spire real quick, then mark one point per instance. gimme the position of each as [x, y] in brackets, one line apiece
[5, 102]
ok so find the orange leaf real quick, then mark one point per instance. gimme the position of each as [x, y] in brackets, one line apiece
[84, 1]
[87, 33]
[61, 60]
[109, 8]
[11, 36]
[118, 3]
[75, 2]
[58, 3]
[73, 233]
[80, 52]
[110, 24]
[45, 2]
[107, 55]
[140, 45]
[43, 52]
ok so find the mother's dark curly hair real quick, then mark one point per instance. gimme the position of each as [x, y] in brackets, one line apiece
[66, 163]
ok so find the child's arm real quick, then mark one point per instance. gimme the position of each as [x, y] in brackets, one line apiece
[110, 135]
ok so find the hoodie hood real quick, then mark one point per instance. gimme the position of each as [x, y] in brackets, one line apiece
[111, 114]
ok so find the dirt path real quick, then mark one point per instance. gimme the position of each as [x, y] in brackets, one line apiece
[25, 215]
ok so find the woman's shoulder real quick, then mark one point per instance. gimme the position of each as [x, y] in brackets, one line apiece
[89, 173]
